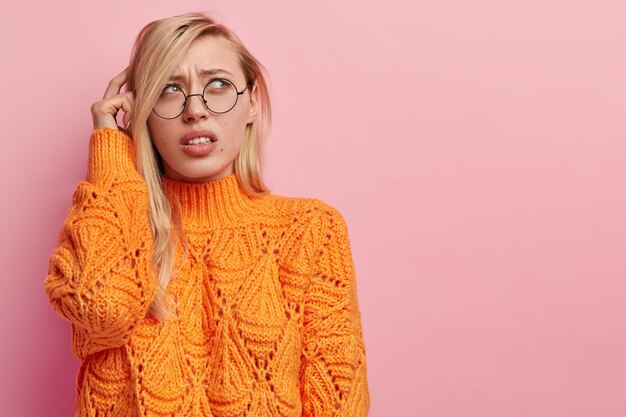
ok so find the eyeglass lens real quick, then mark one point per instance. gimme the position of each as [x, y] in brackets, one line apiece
[220, 96]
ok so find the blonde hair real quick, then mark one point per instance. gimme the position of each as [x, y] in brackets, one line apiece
[159, 47]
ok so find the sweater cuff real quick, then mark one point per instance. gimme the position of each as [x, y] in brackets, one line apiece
[111, 156]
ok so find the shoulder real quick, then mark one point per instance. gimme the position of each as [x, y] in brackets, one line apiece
[302, 210]
[301, 205]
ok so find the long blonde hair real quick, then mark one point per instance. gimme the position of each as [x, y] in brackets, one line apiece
[159, 47]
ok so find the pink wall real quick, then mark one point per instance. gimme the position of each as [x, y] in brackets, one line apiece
[476, 148]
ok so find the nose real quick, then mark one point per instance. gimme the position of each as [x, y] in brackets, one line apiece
[195, 108]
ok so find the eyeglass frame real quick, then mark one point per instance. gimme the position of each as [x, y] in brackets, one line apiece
[201, 95]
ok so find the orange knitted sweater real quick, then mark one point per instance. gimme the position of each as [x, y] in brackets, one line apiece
[268, 319]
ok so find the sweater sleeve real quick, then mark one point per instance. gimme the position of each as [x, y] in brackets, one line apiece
[333, 374]
[100, 276]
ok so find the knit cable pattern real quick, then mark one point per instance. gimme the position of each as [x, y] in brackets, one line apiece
[268, 319]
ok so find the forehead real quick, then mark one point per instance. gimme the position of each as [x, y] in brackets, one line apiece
[208, 53]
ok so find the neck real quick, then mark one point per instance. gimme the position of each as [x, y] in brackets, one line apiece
[210, 203]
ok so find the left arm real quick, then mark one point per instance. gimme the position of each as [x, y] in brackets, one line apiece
[333, 374]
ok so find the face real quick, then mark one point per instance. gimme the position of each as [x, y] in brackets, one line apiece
[183, 142]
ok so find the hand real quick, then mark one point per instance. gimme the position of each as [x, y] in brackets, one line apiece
[103, 112]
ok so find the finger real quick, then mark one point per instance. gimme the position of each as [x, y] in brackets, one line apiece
[127, 107]
[130, 98]
[126, 120]
[105, 111]
[115, 85]
[109, 106]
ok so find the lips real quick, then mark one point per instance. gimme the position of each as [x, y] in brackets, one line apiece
[198, 143]
[198, 137]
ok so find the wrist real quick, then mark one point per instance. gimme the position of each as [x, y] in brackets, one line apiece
[111, 156]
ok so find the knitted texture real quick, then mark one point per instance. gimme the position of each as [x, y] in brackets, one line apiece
[268, 322]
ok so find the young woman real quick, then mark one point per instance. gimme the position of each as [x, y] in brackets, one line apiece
[192, 290]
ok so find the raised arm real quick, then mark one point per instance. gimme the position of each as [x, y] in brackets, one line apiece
[100, 276]
[333, 375]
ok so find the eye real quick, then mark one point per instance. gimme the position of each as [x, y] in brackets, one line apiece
[171, 88]
[218, 84]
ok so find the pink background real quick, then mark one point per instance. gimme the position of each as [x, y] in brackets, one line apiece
[476, 149]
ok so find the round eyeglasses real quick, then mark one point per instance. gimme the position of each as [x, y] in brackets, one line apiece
[219, 96]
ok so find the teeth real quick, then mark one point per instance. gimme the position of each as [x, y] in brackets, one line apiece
[198, 141]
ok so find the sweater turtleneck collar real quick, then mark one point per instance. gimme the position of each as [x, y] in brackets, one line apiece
[210, 203]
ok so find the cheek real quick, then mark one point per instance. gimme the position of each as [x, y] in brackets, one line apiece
[235, 128]
[158, 133]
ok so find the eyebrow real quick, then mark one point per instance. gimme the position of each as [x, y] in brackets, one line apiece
[204, 73]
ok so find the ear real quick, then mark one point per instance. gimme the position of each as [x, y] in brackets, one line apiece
[254, 104]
